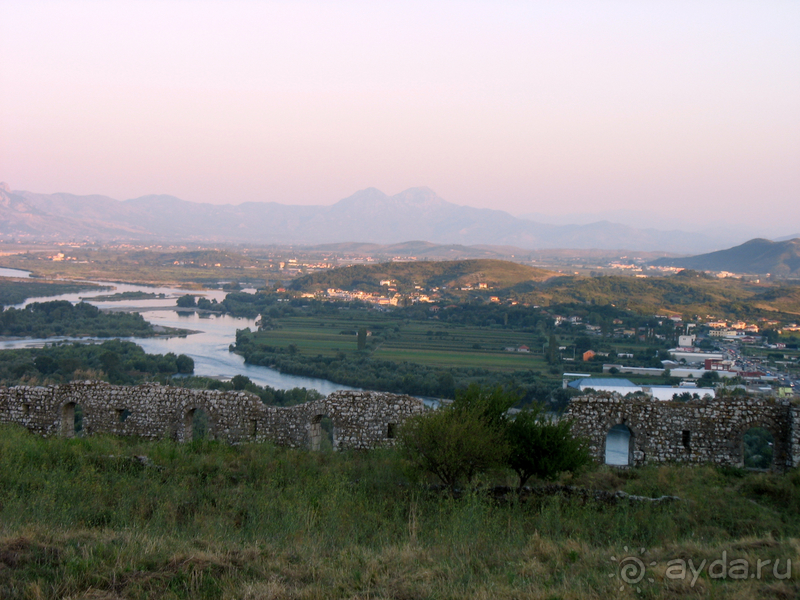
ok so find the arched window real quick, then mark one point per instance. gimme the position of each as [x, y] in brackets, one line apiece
[322, 435]
[72, 420]
[757, 448]
[195, 425]
[618, 446]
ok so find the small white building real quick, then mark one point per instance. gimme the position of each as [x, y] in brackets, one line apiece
[606, 384]
[624, 387]
[691, 356]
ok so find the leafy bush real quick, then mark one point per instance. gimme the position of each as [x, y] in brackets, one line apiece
[475, 434]
[460, 440]
[542, 447]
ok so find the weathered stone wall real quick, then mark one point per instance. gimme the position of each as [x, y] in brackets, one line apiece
[360, 419]
[705, 431]
[794, 442]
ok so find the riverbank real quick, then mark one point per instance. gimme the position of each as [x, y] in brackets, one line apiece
[208, 334]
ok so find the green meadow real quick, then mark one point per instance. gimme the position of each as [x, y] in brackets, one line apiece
[426, 343]
[111, 518]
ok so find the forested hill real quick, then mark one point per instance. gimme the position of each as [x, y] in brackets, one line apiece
[406, 275]
[757, 256]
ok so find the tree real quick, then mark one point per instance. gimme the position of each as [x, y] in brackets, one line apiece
[447, 384]
[185, 364]
[458, 441]
[542, 447]
[362, 338]
[45, 364]
[206, 304]
[110, 361]
[186, 301]
[452, 446]
[240, 382]
[553, 356]
[771, 336]
[490, 404]
[582, 344]
[708, 379]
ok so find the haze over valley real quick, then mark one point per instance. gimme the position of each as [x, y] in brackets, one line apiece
[348, 300]
[367, 216]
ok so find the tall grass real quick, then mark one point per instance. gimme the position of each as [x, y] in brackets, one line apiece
[87, 518]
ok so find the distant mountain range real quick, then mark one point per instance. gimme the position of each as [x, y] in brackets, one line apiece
[757, 256]
[368, 216]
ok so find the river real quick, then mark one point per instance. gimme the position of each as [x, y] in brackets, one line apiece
[208, 346]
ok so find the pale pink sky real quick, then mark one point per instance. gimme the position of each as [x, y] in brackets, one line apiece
[553, 107]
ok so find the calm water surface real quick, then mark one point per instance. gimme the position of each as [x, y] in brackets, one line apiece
[208, 347]
[14, 273]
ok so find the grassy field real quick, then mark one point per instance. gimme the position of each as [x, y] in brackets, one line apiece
[84, 518]
[193, 270]
[408, 352]
[421, 342]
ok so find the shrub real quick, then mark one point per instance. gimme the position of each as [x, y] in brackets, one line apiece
[542, 447]
[460, 440]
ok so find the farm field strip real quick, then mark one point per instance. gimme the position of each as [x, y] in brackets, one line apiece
[455, 358]
[417, 342]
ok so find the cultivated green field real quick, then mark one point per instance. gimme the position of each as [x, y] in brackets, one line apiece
[426, 343]
[411, 351]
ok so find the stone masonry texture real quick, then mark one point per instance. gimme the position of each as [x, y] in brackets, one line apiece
[361, 420]
[704, 431]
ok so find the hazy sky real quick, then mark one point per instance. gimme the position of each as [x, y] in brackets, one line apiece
[552, 107]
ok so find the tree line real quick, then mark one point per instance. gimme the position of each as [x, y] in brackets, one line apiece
[62, 318]
[115, 361]
[364, 371]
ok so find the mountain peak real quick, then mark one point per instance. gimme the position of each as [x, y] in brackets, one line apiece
[372, 200]
[4, 187]
[419, 196]
[368, 216]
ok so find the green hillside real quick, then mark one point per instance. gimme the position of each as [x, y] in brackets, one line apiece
[495, 273]
[757, 256]
[688, 293]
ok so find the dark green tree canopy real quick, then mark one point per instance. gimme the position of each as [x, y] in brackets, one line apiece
[542, 446]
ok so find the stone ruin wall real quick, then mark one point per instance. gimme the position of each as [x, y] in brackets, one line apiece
[361, 420]
[706, 431]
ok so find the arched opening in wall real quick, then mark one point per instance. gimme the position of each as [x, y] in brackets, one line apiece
[757, 448]
[195, 425]
[619, 442]
[72, 420]
[322, 434]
